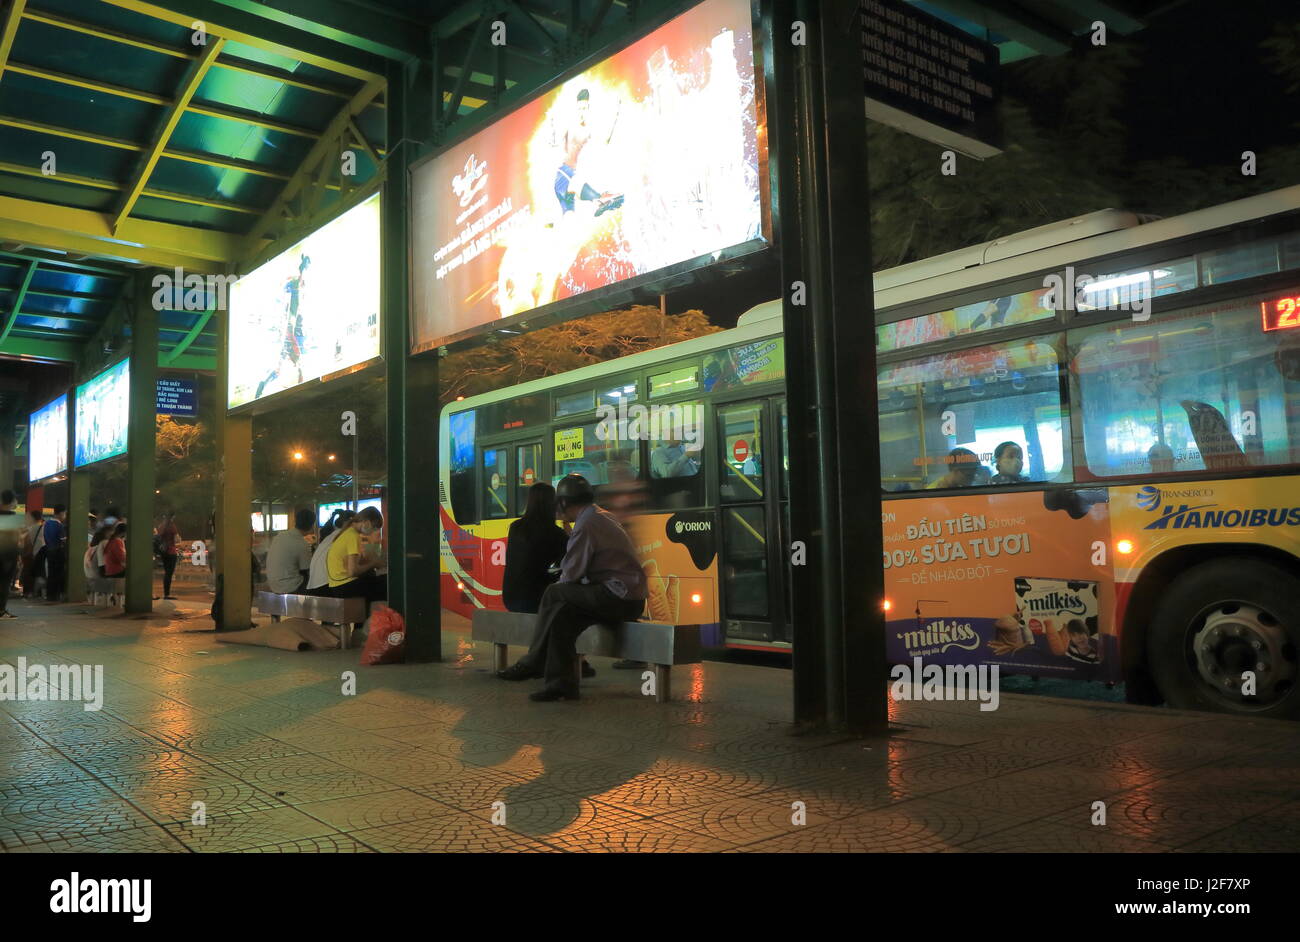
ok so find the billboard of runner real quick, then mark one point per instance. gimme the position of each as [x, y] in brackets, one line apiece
[47, 437]
[648, 159]
[103, 413]
[310, 311]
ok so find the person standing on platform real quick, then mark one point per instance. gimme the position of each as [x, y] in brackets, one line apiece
[168, 537]
[600, 581]
[289, 560]
[55, 553]
[115, 553]
[11, 531]
[27, 552]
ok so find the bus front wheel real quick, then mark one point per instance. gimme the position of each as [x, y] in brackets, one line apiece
[1225, 638]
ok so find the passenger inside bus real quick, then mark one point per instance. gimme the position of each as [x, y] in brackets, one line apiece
[964, 470]
[1008, 461]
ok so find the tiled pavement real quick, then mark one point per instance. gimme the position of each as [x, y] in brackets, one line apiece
[419, 757]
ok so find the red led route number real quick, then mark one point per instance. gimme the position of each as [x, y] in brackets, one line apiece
[1281, 313]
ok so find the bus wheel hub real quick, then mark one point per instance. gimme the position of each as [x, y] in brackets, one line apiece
[1239, 638]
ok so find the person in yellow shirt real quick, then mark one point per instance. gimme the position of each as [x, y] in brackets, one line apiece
[351, 572]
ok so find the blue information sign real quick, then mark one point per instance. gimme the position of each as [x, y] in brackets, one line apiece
[176, 397]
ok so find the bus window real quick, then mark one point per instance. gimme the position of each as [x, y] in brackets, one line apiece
[741, 477]
[675, 381]
[494, 483]
[598, 458]
[528, 462]
[1207, 390]
[676, 457]
[963, 419]
[461, 449]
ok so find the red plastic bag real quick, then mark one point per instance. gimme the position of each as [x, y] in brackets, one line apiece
[386, 642]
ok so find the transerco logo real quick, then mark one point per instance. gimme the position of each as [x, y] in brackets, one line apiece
[694, 526]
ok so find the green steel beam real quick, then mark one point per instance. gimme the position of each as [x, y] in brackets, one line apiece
[41, 349]
[263, 34]
[18, 302]
[189, 337]
[13, 16]
[386, 34]
[337, 128]
[141, 446]
[189, 84]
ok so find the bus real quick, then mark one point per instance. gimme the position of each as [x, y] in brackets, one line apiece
[1089, 460]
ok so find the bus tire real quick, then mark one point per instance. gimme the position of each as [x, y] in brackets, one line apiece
[1219, 620]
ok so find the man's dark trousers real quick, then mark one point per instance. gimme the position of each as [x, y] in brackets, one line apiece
[568, 609]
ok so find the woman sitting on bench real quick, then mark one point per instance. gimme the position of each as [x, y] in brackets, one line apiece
[351, 572]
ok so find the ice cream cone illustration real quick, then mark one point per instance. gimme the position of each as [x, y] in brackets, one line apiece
[657, 605]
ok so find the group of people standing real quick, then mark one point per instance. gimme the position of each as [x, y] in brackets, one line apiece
[32, 547]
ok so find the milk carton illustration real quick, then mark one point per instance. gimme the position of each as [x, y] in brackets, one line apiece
[1064, 612]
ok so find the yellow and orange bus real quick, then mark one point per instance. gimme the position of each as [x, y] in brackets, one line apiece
[1090, 460]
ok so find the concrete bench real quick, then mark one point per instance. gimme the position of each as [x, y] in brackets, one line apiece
[344, 613]
[661, 646]
[112, 591]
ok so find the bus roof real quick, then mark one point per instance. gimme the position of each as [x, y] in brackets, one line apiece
[1093, 235]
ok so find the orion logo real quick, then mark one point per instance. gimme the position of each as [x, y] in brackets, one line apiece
[1148, 498]
[694, 526]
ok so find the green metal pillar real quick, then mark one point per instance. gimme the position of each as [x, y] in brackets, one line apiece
[819, 141]
[141, 449]
[78, 511]
[412, 384]
[233, 536]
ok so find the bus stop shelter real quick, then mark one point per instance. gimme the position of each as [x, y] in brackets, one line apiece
[145, 141]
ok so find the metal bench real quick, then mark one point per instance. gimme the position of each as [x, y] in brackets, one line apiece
[344, 613]
[661, 646]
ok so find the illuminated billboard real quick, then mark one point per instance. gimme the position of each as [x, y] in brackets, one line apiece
[47, 440]
[645, 161]
[103, 412]
[325, 511]
[310, 311]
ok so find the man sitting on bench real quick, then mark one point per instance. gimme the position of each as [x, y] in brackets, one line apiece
[600, 582]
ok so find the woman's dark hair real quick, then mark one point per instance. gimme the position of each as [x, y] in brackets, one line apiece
[1001, 449]
[119, 530]
[100, 536]
[541, 505]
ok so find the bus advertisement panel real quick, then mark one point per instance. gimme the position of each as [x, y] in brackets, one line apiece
[103, 415]
[1001, 579]
[48, 440]
[310, 311]
[648, 159]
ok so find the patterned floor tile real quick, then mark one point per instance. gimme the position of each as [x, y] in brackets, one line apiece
[1041, 838]
[471, 789]
[744, 820]
[313, 845]
[556, 815]
[913, 826]
[62, 812]
[379, 809]
[143, 840]
[643, 836]
[344, 783]
[448, 834]
[249, 829]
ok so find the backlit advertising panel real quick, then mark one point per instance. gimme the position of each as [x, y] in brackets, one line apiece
[310, 311]
[47, 436]
[103, 413]
[647, 160]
